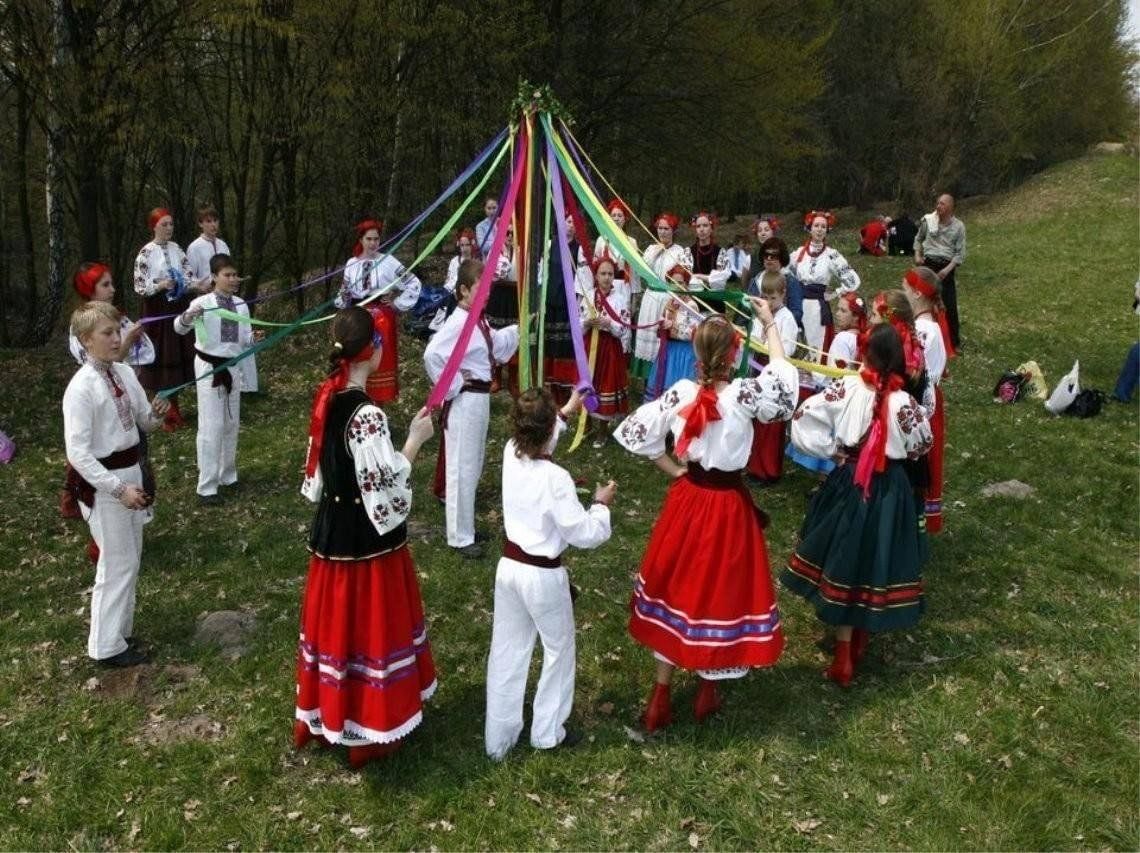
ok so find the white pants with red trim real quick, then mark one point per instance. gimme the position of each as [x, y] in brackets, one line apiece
[466, 437]
[530, 602]
[118, 532]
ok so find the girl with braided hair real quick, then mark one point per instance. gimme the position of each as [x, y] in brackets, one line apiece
[704, 598]
[364, 663]
[860, 557]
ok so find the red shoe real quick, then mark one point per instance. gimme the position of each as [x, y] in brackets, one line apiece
[860, 637]
[301, 734]
[841, 669]
[708, 700]
[92, 551]
[68, 505]
[659, 712]
[358, 756]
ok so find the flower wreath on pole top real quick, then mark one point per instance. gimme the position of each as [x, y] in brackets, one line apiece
[538, 99]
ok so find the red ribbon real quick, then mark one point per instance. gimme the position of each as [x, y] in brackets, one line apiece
[925, 288]
[873, 456]
[697, 415]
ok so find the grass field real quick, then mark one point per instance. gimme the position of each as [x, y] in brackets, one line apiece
[1008, 719]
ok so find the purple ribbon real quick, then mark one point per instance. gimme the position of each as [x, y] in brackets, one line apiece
[585, 380]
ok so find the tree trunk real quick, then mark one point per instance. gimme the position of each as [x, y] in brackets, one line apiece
[53, 188]
[23, 129]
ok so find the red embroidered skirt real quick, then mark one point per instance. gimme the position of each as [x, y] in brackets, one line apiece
[767, 458]
[364, 664]
[611, 377]
[704, 597]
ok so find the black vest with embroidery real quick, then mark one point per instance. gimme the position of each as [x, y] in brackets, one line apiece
[704, 259]
[342, 529]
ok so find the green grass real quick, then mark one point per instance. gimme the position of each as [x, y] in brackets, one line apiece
[1007, 719]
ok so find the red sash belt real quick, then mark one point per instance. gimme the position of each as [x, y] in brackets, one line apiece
[513, 552]
[83, 491]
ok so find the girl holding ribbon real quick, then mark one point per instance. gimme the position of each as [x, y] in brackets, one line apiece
[165, 282]
[605, 313]
[704, 598]
[364, 663]
[860, 556]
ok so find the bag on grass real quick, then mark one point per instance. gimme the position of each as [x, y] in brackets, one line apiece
[1010, 387]
[1034, 381]
[7, 448]
[1087, 404]
[1065, 392]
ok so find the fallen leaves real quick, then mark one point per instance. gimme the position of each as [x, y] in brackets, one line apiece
[807, 825]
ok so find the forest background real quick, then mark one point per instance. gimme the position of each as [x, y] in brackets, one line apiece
[297, 118]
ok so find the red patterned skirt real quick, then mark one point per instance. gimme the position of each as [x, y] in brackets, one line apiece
[704, 597]
[611, 377]
[364, 664]
[384, 385]
[766, 461]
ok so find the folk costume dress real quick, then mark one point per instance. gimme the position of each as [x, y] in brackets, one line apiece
[364, 277]
[173, 362]
[364, 664]
[611, 375]
[816, 267]
[542, 516]
[624, 276]
[675, 357]
[842, 352]
[466, 415]
[104, 409]
[711, 261]
[766, 460]
[860, 557]
[646, 340]
[216, 340]
[560, 370]
[934, 345]
[704, 598]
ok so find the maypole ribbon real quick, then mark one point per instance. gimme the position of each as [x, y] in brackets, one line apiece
[585, 375]
[439, 390]
[525, 243]
[544, 273]
[311, 317]
[580, 433]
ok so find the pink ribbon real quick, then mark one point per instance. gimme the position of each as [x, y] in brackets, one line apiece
[483, 289]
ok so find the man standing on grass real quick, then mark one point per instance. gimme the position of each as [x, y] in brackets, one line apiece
[941, 245]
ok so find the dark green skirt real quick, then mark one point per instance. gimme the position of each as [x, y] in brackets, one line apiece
[859, 562]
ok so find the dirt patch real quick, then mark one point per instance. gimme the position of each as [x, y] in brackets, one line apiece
[142, 683]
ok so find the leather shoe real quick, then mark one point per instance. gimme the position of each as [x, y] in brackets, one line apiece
[128, 657]
[474, 551]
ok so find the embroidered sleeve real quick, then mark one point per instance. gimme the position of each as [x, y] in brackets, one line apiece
[813, 425]
[409, 293]
[143, 280]
[382, 473]
[719, 276]
[914, 428]
[771, 396]
[644, 431]
[848, 278]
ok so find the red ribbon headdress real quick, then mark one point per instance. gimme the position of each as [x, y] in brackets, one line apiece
[363, 228]
[858, 307]
[703, 410]
[156, 216]
[826, 214]
[335, 383]
[913, 356]
[921, 286]
[669, 218]
[772, 221]
[87, 277]
[711, 217]
[873, 456]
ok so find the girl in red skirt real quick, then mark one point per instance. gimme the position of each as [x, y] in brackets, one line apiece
[605, 312]
[923, 290]
[704, 598]
[364, 666]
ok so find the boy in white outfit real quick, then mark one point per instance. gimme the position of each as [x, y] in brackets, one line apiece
[542, 516]
[218, 339]
[104, 407]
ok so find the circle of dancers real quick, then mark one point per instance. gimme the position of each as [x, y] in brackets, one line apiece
[861, 406]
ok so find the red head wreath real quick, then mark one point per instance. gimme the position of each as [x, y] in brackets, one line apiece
[711, 217]
[668, 217]
[156, 216]
[772, 221]
[618, 204]
[812, 215]
[87, 277]
[363, 228]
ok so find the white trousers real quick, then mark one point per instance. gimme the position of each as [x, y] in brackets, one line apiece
[118, 532]
[813, 328]
[247, 367]
[466, 440]
[529, 601]
[219, 415]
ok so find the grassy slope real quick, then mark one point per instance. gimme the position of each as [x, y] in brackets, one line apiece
[1008, 719]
